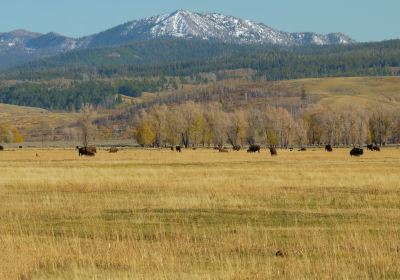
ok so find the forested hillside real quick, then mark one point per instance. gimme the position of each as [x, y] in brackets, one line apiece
[190, 57]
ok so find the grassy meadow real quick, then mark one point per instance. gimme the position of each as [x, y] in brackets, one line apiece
[158, 214]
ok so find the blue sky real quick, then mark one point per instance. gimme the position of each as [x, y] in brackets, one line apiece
[364, 20]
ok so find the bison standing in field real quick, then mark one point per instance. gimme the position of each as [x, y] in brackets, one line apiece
[1, 148]
[178, 149]
[273, 151]
[373, 147]
[254, 148]
[356, 152]
[237, 148]
[328, 148]
[113, 150]
[86, 151]
[376, 149]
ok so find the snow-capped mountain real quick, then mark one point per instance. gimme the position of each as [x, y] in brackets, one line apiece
[19, 46]
[208, 26]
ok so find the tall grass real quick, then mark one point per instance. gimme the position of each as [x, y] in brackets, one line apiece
[199, 215]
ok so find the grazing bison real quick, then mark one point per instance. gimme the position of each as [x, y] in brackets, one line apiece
[370, 147]
[223, 150]
[273, 151]
[237, 148]
[376, 148]
[328, 148]
[356, 152]
[86, 151]
[254, 148]
[1, 148]
[303, 149]
[113, 150]
[178, 149]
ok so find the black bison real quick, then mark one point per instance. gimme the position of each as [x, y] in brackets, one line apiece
[113, 150]
[356, 152]
[273, 151]
[303, 149]
[172, 148]
[223, 150]
[237, 148]
[373, 147]
[20, 147]
[1, 148]
[328, 148]
[291, 149]
[254, 148]
[178, 149]
[86, 151]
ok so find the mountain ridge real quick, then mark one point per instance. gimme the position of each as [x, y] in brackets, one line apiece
[19, 46]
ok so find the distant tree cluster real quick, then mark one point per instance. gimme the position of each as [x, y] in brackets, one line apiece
[9, 134]
[194, 124]
[52, 97]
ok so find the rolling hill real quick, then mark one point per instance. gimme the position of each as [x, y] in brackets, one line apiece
[336, 93]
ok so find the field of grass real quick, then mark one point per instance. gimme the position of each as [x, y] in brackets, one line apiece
[157, 214]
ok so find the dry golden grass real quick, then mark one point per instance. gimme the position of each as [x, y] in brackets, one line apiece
[150, 214]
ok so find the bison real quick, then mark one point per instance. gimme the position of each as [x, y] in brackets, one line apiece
[237, 148]
[1, 148]
[113, 150]
[376, 148]
[302, 149]
[273, 151]
[328, 148]
[254, 148]
[86, 151]
[172, 148]
[356, 152]
[178, 149]
[370, 147]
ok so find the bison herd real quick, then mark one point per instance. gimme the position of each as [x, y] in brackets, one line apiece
[356, 151]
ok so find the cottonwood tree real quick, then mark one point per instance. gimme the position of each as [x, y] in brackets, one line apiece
[236, 128]
[158, 122]
[87, 129]
[379, 125]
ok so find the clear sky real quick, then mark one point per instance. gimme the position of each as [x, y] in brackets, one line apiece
[364, 20]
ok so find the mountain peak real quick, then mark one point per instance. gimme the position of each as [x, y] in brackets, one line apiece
[181, 23]
[187, 24]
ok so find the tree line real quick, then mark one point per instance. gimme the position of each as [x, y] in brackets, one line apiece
[191, 57]
[194, 124]
[72, 97]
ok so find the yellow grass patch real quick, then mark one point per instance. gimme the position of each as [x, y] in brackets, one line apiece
[158, 214]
